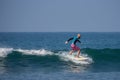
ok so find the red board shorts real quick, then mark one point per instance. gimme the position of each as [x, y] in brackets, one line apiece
[74, 47]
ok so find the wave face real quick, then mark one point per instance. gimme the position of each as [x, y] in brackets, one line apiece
[110, 55]
[104, 59]
[8, 52]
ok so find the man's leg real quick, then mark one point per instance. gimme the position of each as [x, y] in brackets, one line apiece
[78, 53]
[71, 52]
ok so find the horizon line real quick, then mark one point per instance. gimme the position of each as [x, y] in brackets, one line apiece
[57, 31]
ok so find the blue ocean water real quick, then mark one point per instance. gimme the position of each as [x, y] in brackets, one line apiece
[41, 56]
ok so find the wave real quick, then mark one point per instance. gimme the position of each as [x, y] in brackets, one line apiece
[93, 55]
[6, 52]
[107, 54]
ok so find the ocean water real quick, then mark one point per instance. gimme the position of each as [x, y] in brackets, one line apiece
[42, 56]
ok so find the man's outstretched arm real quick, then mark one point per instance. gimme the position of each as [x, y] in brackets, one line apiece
[68, 40]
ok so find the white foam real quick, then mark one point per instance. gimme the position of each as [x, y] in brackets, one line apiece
[5, 51]
[66, 57]
[41, 52]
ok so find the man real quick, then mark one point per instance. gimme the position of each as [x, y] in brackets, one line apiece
[73, 45]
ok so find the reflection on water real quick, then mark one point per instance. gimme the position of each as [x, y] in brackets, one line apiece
[77, 68]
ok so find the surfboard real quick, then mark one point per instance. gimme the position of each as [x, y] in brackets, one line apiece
[73, 57]
[81, 58]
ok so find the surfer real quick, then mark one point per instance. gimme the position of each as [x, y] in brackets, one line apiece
[73, 45]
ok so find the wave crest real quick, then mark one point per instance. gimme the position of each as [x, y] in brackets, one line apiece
[41, 52]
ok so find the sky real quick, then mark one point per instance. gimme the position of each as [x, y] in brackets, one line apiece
[59, 15]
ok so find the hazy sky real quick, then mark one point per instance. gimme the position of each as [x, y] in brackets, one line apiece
[59, 15]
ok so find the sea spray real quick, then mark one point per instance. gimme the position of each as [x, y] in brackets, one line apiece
[5, 51]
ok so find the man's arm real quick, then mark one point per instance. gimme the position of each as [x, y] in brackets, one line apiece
[68, 40]
[79, 41]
